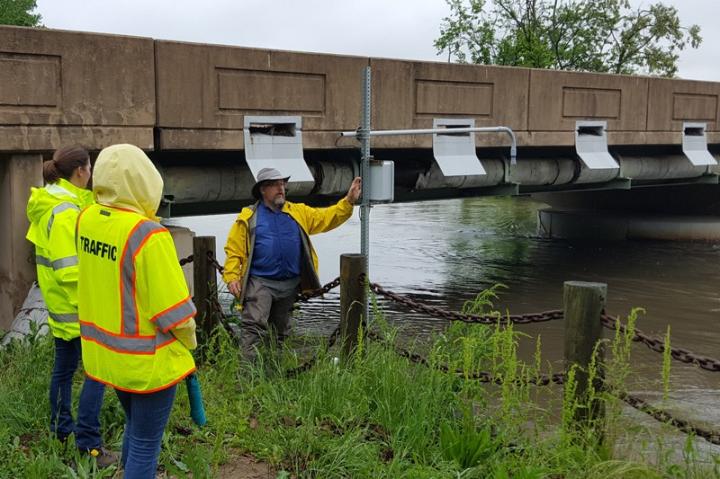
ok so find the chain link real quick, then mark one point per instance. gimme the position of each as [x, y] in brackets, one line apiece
[481, 376]
[658, 345]
[214, 262]
[304, 297]
[313, 360]
[667, 418]
[187, 260]
[466, 318]
[655, 344]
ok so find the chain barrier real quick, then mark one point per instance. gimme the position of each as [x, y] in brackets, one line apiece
[304, 297]
[609, 322]
[655, 344]
[187, 260]
[559, 378]
[481, 376]
[291, 373]
[658, 345]
[467, 318]
[667, 418]
[214, 262]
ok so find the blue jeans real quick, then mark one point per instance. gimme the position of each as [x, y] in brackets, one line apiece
[146, 416]
[87, 429]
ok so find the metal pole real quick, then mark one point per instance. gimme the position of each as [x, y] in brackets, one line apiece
[431, 131]
[364, 137]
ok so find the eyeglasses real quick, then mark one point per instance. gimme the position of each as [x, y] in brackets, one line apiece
[282, 183]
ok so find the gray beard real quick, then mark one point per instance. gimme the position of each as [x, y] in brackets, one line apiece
[279, 202]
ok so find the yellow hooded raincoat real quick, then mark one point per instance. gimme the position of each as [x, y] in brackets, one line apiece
[136, 314]
[53, 211]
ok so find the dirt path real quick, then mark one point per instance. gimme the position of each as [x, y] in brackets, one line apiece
[246, 467]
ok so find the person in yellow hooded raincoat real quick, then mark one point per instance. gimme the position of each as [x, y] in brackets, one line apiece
[136, 314]
[269, 256]
[53, 211]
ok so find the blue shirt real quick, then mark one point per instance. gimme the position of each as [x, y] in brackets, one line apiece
[277, 250]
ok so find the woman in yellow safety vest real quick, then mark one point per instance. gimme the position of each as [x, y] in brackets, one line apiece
[136, 314]
[53, 211]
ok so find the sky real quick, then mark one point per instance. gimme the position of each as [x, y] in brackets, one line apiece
[403, 29]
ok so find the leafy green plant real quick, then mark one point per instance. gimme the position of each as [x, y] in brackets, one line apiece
[465, 443]
[483, 301]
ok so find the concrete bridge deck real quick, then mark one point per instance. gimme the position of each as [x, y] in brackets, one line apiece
[186, 104]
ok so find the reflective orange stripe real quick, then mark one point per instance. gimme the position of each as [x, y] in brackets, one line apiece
[125, 344]
[129, 341]
[174, 315]
[139, 234]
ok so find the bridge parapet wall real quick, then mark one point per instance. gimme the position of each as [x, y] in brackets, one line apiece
[205, 91]
[59, 87]
[410, 94]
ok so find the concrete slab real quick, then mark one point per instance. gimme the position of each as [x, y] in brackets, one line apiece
[409, 95]
[53, 77]
[559, 99]
[48, 138]
[672, 102]
[210, 87]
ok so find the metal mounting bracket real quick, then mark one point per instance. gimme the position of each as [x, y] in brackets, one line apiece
[694, 144]
[276, 142]
[591, 145]
[455, 152]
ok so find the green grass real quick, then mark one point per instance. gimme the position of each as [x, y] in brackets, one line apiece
[376, 415]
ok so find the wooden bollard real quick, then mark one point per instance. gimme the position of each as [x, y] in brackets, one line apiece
[205, 284]
[584, 303]
[352, 300]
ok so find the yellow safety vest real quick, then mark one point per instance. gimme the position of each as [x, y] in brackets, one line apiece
[131, 293]
[53, 211]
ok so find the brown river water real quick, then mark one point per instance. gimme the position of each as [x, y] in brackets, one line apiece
[444, 252]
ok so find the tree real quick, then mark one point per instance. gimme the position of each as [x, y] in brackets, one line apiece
[590, 35]
[19, 12]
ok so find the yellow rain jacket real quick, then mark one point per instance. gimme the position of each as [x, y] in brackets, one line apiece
[241, 240]
[136, 314]
[53, 211]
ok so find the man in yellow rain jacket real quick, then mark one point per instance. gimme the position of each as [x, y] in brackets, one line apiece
[136, 314]
[269, 255]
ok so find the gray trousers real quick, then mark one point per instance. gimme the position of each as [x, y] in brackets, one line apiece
[266, 308]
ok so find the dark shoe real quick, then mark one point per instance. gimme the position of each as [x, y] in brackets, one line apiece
[103, 457]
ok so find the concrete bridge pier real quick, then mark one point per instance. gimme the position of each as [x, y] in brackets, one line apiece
[17, 268]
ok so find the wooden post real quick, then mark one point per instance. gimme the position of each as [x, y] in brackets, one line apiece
[352, 300]
[584, 303]
[205, 284]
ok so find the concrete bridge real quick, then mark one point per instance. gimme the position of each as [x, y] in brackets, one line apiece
[191, 106]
